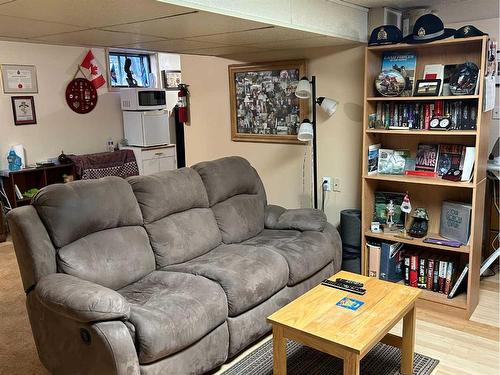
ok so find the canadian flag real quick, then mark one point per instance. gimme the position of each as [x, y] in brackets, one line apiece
[92, 70]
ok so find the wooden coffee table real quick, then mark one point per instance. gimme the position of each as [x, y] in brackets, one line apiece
[314, 320]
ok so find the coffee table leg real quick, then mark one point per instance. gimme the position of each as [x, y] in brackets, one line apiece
[279, 351]
[351, 364]
[408, 347]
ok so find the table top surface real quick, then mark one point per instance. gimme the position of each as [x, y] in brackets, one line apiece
[316, 314]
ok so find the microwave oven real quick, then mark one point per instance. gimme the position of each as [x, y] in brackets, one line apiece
[142, 99]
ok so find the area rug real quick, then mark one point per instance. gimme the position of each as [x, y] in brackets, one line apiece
[301, 360]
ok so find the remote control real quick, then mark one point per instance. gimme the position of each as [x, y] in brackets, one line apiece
[345, 287]
[350, 282]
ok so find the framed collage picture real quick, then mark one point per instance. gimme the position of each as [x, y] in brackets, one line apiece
[264, 107]
[23, 109]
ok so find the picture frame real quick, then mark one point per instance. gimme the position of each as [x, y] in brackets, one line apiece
[23, 110]
[171, 79]
[18, 79]
[427, 87]
[263, 104]
[497, 77]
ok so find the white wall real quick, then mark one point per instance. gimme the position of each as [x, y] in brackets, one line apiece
[58, 127]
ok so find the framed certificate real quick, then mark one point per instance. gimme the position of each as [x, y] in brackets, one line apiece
[23, 108]
[19, 79]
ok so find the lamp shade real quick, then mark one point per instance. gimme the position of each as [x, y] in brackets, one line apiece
[303, 90]
[328, 105]
[306, 132]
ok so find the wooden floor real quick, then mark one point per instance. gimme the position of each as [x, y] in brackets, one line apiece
[462, 346]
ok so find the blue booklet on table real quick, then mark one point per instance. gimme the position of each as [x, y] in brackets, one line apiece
[350, 303]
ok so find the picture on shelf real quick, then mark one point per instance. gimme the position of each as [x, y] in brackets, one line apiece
[404, 62]
[428, 87]
[382, 199]
[390, 83]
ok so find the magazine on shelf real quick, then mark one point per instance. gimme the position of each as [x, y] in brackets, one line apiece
[404, 62]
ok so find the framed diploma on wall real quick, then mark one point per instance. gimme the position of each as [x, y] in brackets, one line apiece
[18, 79]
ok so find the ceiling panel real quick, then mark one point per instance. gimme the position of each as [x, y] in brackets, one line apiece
[177, 45]
[15, 27]
[189, 25]
[223, 51]
[267, 34]
[302, 43]
[94, 37]
[90, 13]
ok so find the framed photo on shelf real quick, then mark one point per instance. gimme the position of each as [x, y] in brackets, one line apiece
[23, 109]
[264, 107]
[171, 79]
[427, 87]
[19, 79]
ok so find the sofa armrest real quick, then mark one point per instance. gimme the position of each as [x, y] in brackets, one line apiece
[80, 300]
[302, 219]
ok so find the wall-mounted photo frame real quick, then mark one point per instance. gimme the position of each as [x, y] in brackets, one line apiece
[19, 79]
[171, 79]
[427, 87]
[23, 109]
[264, 107]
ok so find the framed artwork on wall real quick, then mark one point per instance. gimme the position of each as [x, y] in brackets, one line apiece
[171, 79]
[23, 109]
[19, 79]
[264, 107]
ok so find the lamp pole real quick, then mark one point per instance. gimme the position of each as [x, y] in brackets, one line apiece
[314, 142]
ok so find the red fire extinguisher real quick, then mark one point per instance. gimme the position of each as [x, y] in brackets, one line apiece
[182, 102]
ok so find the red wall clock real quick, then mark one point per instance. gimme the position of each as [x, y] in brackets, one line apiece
[81, 95]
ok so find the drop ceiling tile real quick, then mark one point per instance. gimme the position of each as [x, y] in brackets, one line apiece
[15, 27]
[96, 37]
[90, 13]
[189, 25]
[267, 34]
[176, 46]
[223, 51]
[302, 43]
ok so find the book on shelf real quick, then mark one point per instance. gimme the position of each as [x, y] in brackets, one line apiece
[426, 159]
[435, 71]
[468, 165]
[421, 173]
[406, 269]
[373, 259]
[422, 273]
[404, 62]
[459, 281]
[392, 161]
[456, 221]
[413, 270]
[451, 156]
[430, 273]
[373, 159]
[390, 261]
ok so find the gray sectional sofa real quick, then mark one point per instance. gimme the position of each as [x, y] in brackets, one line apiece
[171, 273]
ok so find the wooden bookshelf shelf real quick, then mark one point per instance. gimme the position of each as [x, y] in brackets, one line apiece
[417, 242]
[449, 133]
[435, 181]
[419, 98]
[430, 192]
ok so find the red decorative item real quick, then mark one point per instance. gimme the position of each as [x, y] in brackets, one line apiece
[81, 95]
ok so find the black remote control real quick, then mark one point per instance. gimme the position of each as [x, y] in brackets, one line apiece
[345, 287]
[350, 282]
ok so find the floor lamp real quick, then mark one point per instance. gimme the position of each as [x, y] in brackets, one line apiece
[307, 131]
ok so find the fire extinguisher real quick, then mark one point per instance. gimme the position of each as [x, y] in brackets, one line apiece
[182, 102]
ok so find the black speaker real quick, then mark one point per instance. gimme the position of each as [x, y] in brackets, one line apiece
[350, 232]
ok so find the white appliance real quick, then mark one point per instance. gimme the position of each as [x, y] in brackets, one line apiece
[143, 99]
[147, 128]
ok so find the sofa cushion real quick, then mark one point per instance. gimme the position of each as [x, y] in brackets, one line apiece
[239, 217]
[112, 258]
[248, 274]
[72, 211]
[172, 310]
[168, 192]
[305, 252]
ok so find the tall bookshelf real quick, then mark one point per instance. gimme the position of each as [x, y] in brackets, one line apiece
[430, 192]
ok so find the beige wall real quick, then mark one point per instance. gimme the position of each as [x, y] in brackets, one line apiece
[339, 74]
[58, 128]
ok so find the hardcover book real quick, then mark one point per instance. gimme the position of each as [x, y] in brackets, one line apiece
[414, 270]
[422, 273]
[450, 157]
[455, 221]
[392, 161]
[390, 261]
[427, 156]
[404, 62]
[373, 158]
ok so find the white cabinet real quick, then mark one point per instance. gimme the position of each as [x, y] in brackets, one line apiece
[154, 159]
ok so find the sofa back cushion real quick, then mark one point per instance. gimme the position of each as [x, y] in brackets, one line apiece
[176, 215]
[96, 227]
[236, 195]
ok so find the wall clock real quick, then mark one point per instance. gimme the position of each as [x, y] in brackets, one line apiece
[81, 95]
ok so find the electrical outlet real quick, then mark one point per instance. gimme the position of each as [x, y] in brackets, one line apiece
[328, 185]
[336, 184]
[495, 115]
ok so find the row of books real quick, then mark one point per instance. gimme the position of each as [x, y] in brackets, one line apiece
[431, 160]
[417, 116]
[391, 262]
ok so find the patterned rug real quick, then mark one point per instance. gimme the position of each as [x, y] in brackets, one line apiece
[301, 360]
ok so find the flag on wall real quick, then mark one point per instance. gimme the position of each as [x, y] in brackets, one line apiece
[92, 70]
